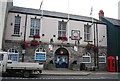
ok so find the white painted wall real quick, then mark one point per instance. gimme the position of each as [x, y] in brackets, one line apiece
[119, 10]
[50, 28]
[102, 31]
[10, 28]
[3, 6]
[3, 13]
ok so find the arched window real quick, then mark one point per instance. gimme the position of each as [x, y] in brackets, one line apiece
[102, 58]
[86, 58]
[40, 54]
[13, 54]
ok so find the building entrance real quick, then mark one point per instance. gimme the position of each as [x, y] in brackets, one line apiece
[61, 58]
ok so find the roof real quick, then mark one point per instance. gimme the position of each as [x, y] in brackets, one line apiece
[23, 10]
[113, 21]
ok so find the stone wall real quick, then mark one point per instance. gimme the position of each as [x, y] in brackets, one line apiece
[50, 55]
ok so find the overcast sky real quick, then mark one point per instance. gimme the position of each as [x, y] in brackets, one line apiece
[78, 7]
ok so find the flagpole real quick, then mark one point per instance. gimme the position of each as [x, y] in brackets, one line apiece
[68, 21]
[41, 9]
[93, 26]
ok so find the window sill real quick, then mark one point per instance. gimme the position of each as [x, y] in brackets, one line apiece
[102, 62]
[16, 35]
[87, 41]
[86, 62]
[30, 36]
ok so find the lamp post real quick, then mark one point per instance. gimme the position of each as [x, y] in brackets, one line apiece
[94, 44]
[97, 63]
[23, 53]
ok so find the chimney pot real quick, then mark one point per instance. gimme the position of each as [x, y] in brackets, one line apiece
[101, 14]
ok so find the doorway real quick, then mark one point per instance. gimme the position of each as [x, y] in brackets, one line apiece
[61, 58]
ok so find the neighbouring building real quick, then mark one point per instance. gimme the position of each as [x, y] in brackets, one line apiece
[54, 39]
[4, 7]
[113, 32]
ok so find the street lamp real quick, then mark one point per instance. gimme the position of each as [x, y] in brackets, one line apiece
[23, 53]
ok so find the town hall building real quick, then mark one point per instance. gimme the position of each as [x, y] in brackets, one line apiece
[54, 39]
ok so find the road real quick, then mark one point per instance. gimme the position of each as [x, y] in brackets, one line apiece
[62, 80]
[44, 77]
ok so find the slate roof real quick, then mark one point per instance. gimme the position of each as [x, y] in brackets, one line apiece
[113, 21]
[23, 10]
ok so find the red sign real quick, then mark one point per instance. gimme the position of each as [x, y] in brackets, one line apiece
[61, 52]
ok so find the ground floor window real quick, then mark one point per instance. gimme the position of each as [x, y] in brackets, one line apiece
[40, 54]
[102, 58]
[86, 58]
[13, 54]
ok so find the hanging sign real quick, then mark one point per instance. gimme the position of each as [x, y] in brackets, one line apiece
[50, 47]
[75, 35]
[61, 52]
[75, 48]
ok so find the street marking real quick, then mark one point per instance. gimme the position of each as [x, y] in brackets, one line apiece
[58, 78]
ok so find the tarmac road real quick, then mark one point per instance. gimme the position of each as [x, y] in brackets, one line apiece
[61, 80]
[69, 76]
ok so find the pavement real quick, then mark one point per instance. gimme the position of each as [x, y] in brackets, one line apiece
[76, 73]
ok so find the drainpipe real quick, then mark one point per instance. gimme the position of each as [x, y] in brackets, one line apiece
[94, 45]
[24, 38]
[25, 27]
[97, 47]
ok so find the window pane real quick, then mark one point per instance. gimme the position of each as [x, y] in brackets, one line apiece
[59, 34]
[32, 22]
[102, 59]
[40, 56]
[88, 36]
[31, 32]
[35, 25]
[63, 33]
[13, 57]
[87, 30]
[38, 23]
[13, 54]
[17, 25]
[63, 26]
[37, 31]
[86, 59]
[35, 22]
[61, 29]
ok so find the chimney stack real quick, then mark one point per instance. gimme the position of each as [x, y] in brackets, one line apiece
[101, 14]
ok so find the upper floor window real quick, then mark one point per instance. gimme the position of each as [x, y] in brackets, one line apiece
[17, 25]
[86, 58]
[102, 58]
[40, 54]
[62, 29]
[35, 26]
[13, 54]
[87, 32]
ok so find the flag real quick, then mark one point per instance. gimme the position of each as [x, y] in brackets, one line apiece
[41, 4]
[68, 11]
[91, 11]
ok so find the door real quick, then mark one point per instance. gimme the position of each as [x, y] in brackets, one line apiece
[61, 61]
